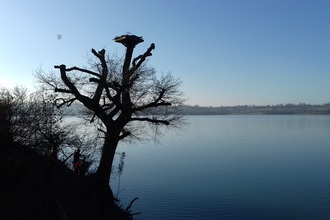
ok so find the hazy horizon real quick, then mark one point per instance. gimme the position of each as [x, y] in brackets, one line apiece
[196, 105]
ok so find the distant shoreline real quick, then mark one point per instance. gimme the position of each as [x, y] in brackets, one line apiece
[288, 109]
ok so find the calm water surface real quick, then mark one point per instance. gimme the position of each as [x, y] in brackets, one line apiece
[232, 167]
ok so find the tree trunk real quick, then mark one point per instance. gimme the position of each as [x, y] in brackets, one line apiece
[104, 170]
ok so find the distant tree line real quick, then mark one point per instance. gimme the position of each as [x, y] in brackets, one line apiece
[300, 108]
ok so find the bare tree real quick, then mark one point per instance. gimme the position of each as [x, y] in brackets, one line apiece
[20, 118]
[124, 97]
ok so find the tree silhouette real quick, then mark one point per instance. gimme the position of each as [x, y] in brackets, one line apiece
[125, 98]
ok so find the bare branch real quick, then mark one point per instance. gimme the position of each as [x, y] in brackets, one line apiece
[156, 103]
[89, 103]
[152, 120]
[161, 94]
[94, 80]
[64, 102]
[136, 59]
[142, 58]
[130, 205]
[99, 54]
[103, 131]
[63, 90]
[67, 82]
[105, 86]
[83, 70]
[107, 106]
[124, 134]
[104, 74]
[46, 79]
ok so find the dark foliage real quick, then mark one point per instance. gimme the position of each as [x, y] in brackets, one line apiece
[5, 115]
[36, 187]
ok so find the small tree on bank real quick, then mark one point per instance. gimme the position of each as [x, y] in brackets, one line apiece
[124, 97]
[5, 120]
[31, 120]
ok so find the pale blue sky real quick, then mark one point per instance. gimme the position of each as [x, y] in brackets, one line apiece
[232, 52]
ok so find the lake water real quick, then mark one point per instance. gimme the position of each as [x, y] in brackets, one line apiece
[232, 167]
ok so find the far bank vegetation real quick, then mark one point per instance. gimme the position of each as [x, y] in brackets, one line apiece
[280, 109]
